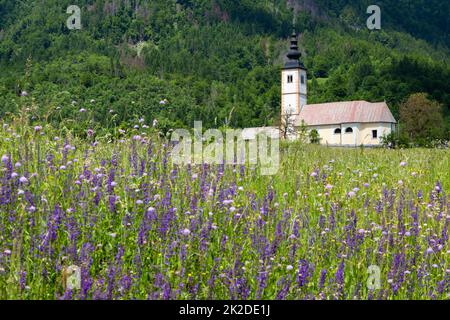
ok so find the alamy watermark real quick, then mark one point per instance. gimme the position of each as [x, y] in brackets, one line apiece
[71, 278]
[374, 21]
[374, 279]
[74, 21]
[256, 146]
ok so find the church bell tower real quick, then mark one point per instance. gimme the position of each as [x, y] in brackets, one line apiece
[293, 82]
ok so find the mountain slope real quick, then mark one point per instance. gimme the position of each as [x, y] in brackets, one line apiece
[216, 61]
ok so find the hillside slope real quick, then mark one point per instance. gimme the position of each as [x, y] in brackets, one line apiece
[216, 61]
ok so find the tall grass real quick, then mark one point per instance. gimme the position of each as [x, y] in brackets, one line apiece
[140, 227]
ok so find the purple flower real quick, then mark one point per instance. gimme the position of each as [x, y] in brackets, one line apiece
[90, 132]
[23, 180]
[340, 273]
[5, 159]
[23, 280]
[323, 277]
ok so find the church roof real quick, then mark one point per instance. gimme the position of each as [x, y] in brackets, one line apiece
[345, 112]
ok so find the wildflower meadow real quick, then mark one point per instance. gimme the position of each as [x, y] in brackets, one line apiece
[139, 227]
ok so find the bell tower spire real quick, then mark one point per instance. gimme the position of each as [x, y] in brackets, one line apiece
[293, 81]
[293, 54]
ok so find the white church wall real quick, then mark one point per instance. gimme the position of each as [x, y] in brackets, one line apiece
[303, 86]
[290, 104]
[290, 91]
[367, 135]
[362, 134]
[350, 138]
[303, 101]
[326, 134]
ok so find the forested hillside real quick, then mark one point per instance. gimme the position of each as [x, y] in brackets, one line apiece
[213, 60]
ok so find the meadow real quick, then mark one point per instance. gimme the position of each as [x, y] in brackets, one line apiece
[140, 227]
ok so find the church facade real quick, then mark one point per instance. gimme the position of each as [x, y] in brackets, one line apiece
[346, 123]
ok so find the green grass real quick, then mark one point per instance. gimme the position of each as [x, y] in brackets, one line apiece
[74, 223]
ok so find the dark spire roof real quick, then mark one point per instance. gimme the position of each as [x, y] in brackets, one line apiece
[294, 55]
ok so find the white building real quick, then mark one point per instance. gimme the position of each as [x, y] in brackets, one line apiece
[347, 123]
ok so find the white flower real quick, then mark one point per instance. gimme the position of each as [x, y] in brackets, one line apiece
[186, 232]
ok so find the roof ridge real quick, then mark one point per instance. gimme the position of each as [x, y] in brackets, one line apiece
[348, 101]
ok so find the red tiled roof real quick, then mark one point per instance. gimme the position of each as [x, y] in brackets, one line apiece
[345, 112]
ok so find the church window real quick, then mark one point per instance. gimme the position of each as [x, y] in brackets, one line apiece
[349, 130]
[338, 131]
[374, 134]
[290, 79]
[302, 79]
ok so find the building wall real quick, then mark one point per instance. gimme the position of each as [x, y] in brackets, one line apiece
[366, 129]
[290, 92]
[303, 88]
[326, 134]
[303, 100]
[362, 133]
[290, 104]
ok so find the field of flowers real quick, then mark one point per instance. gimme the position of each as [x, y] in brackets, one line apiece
[142, 228]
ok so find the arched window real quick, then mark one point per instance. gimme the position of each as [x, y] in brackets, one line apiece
[349, 130]
[338, 131]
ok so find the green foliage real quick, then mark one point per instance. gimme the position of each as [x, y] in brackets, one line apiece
[395, 140]
[215, 61]
[119, 208]
[422, 119]
[314, 136]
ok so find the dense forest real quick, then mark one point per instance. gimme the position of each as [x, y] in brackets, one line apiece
[218, 61]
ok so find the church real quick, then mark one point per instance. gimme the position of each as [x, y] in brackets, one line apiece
[346, 123]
